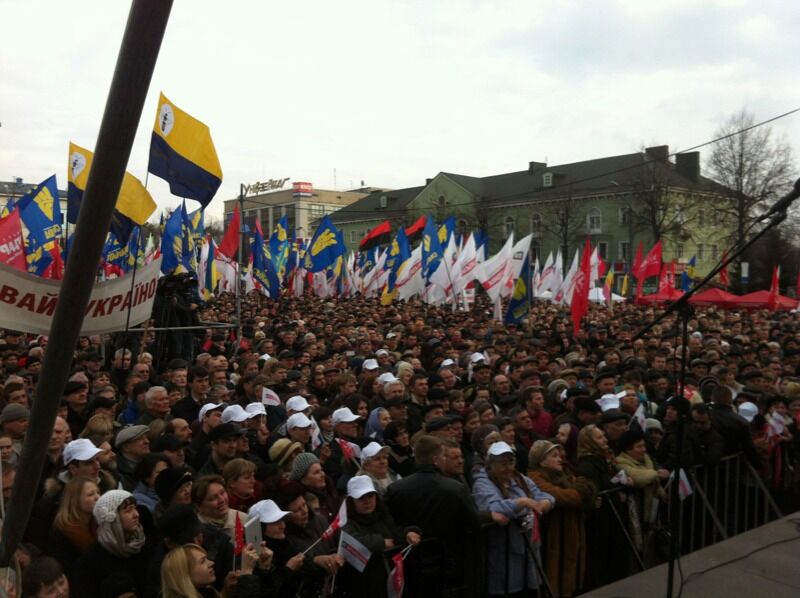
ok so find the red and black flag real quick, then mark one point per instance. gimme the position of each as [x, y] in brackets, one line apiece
[380, 235]
[414, 232]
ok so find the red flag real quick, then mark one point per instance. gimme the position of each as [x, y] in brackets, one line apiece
[397, 577]
[238, 537]
[637, 261]
[724, 279]
[580, 294]
[666, 283]
[229, 246]
[380, 235]
[347, 450]
[772, 301]
[55, 270]
[414, 232]
[337, 523]
[12, 246]
[651, 265]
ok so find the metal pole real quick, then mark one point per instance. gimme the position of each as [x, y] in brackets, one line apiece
[141, 41]
[239, 264]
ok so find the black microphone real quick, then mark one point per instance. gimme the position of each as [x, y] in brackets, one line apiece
[784, 202]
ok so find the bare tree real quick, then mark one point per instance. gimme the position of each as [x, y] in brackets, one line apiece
[755, 166]
[652, 206]
[565, 220]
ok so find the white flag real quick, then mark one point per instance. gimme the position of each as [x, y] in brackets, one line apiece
[354, 552]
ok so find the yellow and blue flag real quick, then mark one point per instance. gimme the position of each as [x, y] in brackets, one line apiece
[10, 205]
[431, 248]
[446, 230]
[182, 153]
[174, 243]
[40, 211]
[399, 253]
[520, 297]
[279, 247]
[133, 202]
[263, 268]
[324, 247]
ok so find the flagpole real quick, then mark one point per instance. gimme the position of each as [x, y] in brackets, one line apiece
[239, 269]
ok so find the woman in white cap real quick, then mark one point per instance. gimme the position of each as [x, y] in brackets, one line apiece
[369, 522]
[117, 563]
[500, 488]
[287, 564]
[375, 464]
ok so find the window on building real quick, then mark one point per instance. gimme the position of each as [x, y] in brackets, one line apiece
[352, 236]
[602, 250]
[536, 251]
[383, 201]
[547, 179]
[561, 217]
[714, 253]
[624, 216]
[625, 251]
[442, 201]
[594, 221]
[701, 252]
[536, 224]
[701, 217]
[509, 226]
[714, 218]
[679, 250]
[316, 211]
[461, 227]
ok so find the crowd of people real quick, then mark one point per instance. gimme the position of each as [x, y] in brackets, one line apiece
[479, 458]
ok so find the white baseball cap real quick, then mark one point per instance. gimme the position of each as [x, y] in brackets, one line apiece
[265, 356]
[360, 485]
[266, 511]
[500, 448]
[343, 415]
[256, 409]
[447, 363]
[747, 410]
[297, 403]
[80, 450]
[608, 401]
[372, 449]
[369, 364]
[208, 407]
[298, 420]
[387, 377]
[381, 352]
[235, 413]
[476, 357]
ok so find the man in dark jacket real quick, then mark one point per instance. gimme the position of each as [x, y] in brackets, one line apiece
[447, 563]
[733, 428]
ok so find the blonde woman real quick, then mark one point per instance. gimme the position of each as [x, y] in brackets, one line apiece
[74, 529]
[187, 572]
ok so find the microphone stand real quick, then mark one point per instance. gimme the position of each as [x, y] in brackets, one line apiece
[685, 312]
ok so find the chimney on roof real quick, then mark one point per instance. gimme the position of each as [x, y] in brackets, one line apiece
[428, 182]
[534, 166]
[659, 152]
[688, 165]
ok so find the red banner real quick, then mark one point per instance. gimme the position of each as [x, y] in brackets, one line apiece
[12, 252]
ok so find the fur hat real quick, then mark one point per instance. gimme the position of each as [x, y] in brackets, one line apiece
[302, 464]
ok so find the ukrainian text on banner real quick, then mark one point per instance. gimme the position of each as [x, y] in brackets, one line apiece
[27, 302]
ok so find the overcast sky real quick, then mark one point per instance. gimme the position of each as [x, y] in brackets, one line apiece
[393, 92]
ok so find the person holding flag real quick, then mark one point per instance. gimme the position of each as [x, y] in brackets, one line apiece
[369, 534]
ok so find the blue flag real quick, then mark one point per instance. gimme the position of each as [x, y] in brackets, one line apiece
[324, 248]
[173, 249]
[446, 230]
[263, 270]
[431, 248]
[688, 274]
[40, 211]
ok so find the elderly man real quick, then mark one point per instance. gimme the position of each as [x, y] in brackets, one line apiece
[132, 443]
[156, 406]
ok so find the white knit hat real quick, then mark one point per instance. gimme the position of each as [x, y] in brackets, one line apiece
[107, 506]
